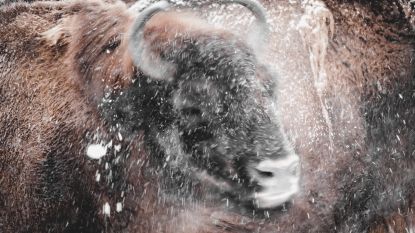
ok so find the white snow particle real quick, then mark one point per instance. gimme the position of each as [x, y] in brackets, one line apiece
[106, 209]
[96, 151]
[118, 207]
[267, 214]
[117, 148]
[97, 177]
[109, 145]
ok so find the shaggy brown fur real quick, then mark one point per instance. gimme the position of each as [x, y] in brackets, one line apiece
[364, 180]
[372, 56]
[42, 113]
[49, 105]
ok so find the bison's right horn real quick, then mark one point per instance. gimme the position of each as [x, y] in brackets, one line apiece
[141, 55]
[258, 10]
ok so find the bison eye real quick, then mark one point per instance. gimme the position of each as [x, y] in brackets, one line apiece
[191, 111]
[191, 136]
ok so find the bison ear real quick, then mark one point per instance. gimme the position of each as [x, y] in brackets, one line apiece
[58, 34]
[144, 57]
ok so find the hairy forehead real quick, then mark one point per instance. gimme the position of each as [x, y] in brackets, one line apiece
[173, 23]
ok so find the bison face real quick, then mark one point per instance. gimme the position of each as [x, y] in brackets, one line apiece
[226, 128]
[207, 106]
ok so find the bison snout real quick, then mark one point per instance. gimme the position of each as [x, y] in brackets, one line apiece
[278, 180]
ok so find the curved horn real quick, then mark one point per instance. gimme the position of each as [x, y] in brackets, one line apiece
[257, 9]
[136, 33]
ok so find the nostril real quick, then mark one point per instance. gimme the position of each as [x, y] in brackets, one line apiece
[264, 174]
[277, 181]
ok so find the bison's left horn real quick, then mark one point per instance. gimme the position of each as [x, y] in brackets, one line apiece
[141, 55]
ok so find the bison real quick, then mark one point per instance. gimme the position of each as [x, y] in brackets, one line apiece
[113, 120]
[118, 121]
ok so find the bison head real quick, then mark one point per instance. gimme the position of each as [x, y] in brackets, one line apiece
[206, 104]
